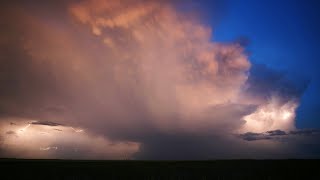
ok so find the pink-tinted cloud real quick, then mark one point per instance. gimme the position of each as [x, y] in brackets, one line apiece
[134, 72]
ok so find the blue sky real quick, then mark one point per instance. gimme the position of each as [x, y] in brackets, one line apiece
[284, 35]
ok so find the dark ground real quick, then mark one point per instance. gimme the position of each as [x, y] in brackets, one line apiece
[156, 170]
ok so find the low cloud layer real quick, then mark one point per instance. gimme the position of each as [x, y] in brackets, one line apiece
[276, 134]
[140, 78]
[34, 140]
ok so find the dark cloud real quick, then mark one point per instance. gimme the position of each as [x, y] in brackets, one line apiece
[46, 123]
[276, 133]
[10, 132]
[250, 136]
[269, 135]
[264, 82]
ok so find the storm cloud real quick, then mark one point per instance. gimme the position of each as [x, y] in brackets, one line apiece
[135, 77]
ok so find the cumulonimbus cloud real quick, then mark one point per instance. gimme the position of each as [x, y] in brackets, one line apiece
[131, 71]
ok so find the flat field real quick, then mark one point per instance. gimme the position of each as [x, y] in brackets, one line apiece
[156, 170]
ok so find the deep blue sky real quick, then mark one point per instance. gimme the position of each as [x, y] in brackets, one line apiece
[283, 34]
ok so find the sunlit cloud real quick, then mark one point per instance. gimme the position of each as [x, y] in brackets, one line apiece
[109, 79]
[45, 142]
[272, 115]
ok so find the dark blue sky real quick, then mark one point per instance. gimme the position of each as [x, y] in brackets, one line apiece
[284, 35]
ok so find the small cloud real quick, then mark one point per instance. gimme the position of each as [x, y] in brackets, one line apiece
[276, 133]
[45, 123]
[10, 132]
[250, 136]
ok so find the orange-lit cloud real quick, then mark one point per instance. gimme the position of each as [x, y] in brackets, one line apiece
[167, 57]
[132, 72]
